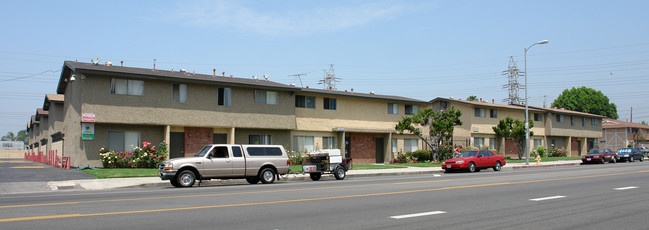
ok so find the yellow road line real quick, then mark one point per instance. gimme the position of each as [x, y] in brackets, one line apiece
[27, 167]
[311, 199]
[281, 190]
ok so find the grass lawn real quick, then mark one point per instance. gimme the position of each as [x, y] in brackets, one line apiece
[121, 172]
[532, 159]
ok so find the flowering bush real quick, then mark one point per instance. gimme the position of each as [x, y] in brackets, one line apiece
[146, 157]
[557, 152]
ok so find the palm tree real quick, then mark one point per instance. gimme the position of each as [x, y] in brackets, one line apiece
[9, 137]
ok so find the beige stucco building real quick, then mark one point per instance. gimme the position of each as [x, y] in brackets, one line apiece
[577, 132]
[621, 134]
[120, 107]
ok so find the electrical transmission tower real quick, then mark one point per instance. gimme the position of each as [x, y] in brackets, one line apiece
[329, 80]
[512, 85]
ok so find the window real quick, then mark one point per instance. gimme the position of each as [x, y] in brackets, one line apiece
[537, 143]
[393, 108]
[394, 146]
[572, 120]
[593, 121]
[126, 87]
[492, 143]
[583, 121]
[480, 112]
[180, 93]
[559, 117]
[304, 101]
[410, 145]
[411, 109]
[478, 142]
[266, 97]
[538, 117]
[220, 152]
[236, 151]
[329, 103]
[493, 113]
[260, 139]
[303, 144]
[264, 151]
[224, 97]
[120, 141]
[329, 142]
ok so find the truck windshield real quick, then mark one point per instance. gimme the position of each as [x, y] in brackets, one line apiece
[203, 151]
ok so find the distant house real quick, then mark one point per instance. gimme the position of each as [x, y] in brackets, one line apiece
[12, 145]
[621, 134]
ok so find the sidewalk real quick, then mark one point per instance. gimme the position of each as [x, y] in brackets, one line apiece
[114, 183]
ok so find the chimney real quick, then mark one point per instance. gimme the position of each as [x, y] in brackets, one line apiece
[121, 63]
[493, 101]
[352, 90]
[480, 99]
[330, 88]
[223, 74]
[214, 72]
[231, 76]
[154, 68]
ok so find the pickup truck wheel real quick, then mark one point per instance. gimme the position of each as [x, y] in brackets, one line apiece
[267, 176]
[315, 176]
[498, 166]
[186, 178]
[252, 179]
[339, 173]
[174, 182]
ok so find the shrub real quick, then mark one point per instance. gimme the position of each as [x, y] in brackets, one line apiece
[557, 152]
[296, 158]
[420, 155]
[446, 152]
[540, 151]
[145, 157]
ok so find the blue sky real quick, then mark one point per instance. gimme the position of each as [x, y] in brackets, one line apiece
[416, 49]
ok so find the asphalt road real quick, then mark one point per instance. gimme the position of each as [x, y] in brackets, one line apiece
[610, 196]
[18, 175]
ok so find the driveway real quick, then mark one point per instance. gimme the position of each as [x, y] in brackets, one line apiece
[18, 175]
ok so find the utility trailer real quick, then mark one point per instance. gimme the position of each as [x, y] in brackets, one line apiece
[327, 161]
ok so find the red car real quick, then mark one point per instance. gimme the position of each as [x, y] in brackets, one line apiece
[600, 156]
[475, 160]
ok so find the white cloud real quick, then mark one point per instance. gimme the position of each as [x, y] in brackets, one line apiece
[279, 21]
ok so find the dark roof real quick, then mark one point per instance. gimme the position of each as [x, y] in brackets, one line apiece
[484, 104]
[70, 67]
[41, 112]
[610, 123]
[565, 111]
[52, 98]
[361, 95]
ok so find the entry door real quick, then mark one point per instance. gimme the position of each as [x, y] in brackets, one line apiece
[380, 150]
[348, 146]
[177, 145]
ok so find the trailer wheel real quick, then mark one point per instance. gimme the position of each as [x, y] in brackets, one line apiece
[339, 173]
[267, 176]
[315, 176]
[252, 179]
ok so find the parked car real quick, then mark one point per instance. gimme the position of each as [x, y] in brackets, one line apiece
[475, 160]
[629, 154]
[599, 156]
[644, 150]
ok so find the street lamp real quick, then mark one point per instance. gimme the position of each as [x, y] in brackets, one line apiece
[527, 121]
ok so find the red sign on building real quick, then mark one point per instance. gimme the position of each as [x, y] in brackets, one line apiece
[87, 117]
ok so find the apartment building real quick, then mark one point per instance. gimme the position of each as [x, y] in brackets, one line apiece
[120, 107]
[621, 134]
[577, 132]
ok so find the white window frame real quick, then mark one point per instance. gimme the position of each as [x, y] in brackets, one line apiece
[480, 112]
[266, 97]
[122, 86]
[303, 144]
[227, 97]
[179, 93]
[329, 142]
[262, 138]
[395, 147]
[410, 145]
[393, 108]
[478, 142]
[131, 140]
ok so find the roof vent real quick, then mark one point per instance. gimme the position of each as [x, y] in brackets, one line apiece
[183, 70]
[371, 92]
[293, 84]
[109, 63]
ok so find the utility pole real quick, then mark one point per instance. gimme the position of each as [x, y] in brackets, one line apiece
[329, 80]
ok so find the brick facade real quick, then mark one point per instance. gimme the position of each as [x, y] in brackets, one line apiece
[196, 138]
[363, 148]
[511, 149]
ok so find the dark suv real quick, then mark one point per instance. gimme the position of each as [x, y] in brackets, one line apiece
[629, 154]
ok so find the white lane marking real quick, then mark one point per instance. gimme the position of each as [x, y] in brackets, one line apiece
[436, 175]
[417, 215]
[625, 188]
[547, 198]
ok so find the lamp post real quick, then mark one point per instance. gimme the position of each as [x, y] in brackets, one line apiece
[527, 121]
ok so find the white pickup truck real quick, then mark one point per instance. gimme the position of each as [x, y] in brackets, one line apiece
[220, 161]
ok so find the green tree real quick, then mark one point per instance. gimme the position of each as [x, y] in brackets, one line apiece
[644, 123]
[440, 126]
[9, 137]
[23, 136]
[513, 129]
[586, 100]
[472, 98]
